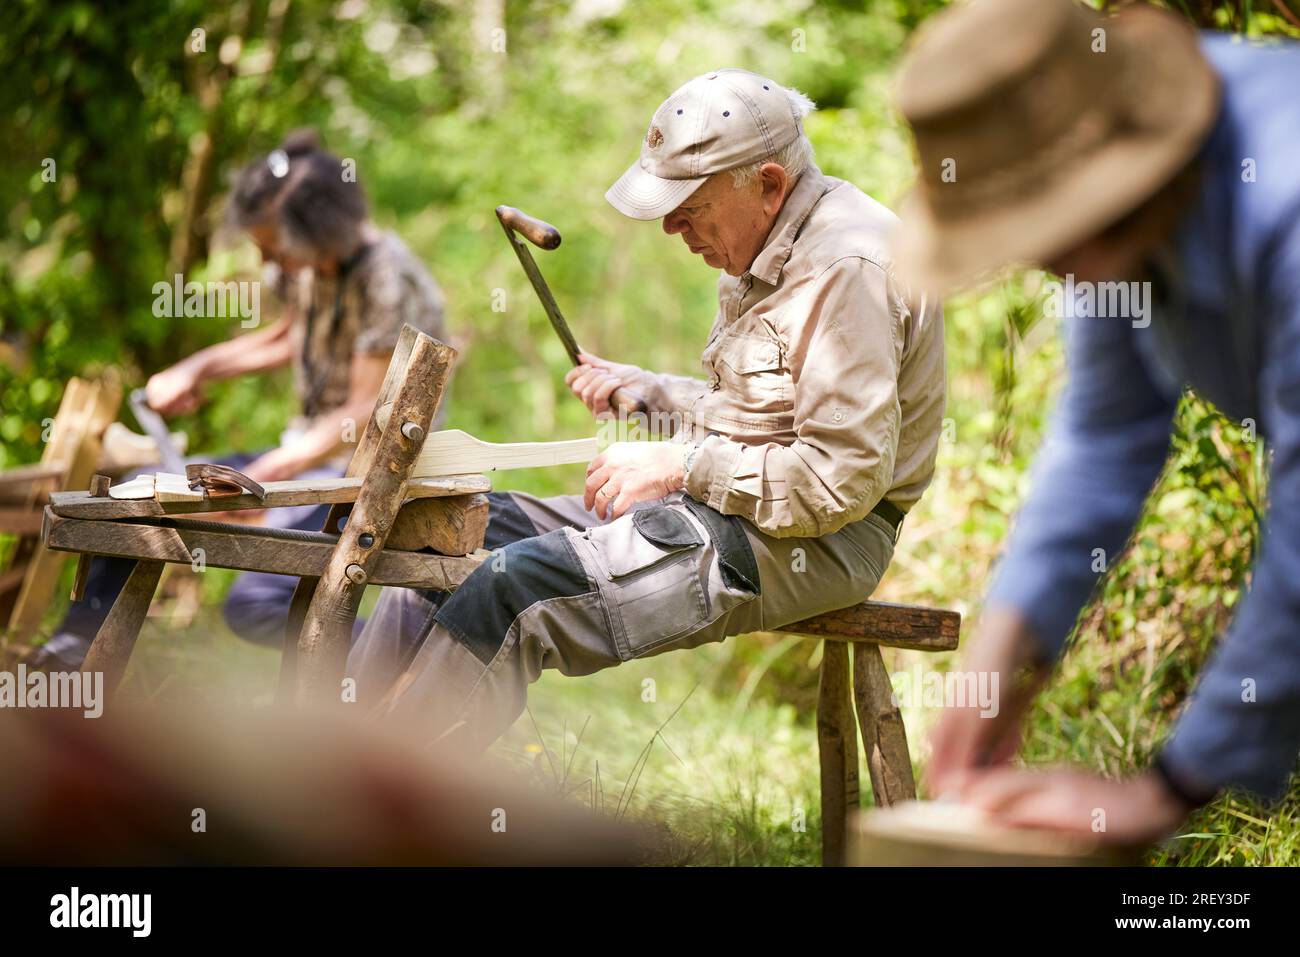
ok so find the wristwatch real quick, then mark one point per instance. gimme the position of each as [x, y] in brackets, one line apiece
[691, 452]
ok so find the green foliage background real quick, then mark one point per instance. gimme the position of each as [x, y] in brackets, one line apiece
[443, 128]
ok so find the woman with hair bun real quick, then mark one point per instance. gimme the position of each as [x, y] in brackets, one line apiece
[347, 289]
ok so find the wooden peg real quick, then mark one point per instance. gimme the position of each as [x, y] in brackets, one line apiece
[99, 485]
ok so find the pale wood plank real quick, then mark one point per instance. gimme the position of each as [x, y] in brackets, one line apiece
[450, 451]
[948, 834]
[76, 441]
[169, 487]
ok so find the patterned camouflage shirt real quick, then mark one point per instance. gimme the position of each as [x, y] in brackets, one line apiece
[358, 311]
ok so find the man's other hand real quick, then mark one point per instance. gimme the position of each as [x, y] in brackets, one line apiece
[595, 379]
[631, 472]
[969, 738]
[1138, 811]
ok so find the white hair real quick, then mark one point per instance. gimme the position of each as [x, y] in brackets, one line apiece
[795, 157]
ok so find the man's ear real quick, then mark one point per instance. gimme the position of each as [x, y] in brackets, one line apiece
[773, 178]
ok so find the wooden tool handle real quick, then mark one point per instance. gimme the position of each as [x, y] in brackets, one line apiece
[539, 233]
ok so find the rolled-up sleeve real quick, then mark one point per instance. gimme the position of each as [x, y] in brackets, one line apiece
[666, 394]
[844, 354]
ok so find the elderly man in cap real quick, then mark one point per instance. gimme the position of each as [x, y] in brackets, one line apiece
[790, 468]
[1117, 152]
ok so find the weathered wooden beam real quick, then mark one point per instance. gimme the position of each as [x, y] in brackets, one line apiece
[884, 738]
[111, 650]
[317, 492]
[450, 526]
[327, 628]
[883, 623]
[20, 521]
[25, 475]
[11, 578]
[246, 549]
[837, 749]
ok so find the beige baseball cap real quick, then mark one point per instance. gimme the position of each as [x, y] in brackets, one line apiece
[717, 121]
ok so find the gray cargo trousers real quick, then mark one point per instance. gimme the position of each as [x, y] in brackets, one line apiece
[564, 590]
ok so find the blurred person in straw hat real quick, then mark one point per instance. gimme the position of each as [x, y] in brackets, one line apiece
[1158, 173]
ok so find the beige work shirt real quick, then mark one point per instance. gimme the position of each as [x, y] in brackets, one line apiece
[825, 388]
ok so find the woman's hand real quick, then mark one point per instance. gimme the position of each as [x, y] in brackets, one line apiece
[276, 465]
[970, 738]
[174, 391]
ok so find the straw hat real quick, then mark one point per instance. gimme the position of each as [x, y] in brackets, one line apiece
[1038, 123]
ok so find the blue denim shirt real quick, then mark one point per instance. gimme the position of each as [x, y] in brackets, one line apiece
[1230, 328]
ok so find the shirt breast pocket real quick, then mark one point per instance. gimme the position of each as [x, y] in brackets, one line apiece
[753, 369]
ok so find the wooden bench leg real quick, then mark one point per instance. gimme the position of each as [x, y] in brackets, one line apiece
[302, 595]
[884, 738]
[837, 746]
[111, 650]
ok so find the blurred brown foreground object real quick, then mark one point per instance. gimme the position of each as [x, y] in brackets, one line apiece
[148, 787]
[935, 834]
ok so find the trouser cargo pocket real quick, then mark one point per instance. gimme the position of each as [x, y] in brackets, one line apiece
[648, 572]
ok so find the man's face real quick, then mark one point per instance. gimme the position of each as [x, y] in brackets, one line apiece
[1107, 258]
[728, 225]
[1122, 250]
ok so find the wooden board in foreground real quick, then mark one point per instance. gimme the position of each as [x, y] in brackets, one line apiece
[296, 492]
[942, 834]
